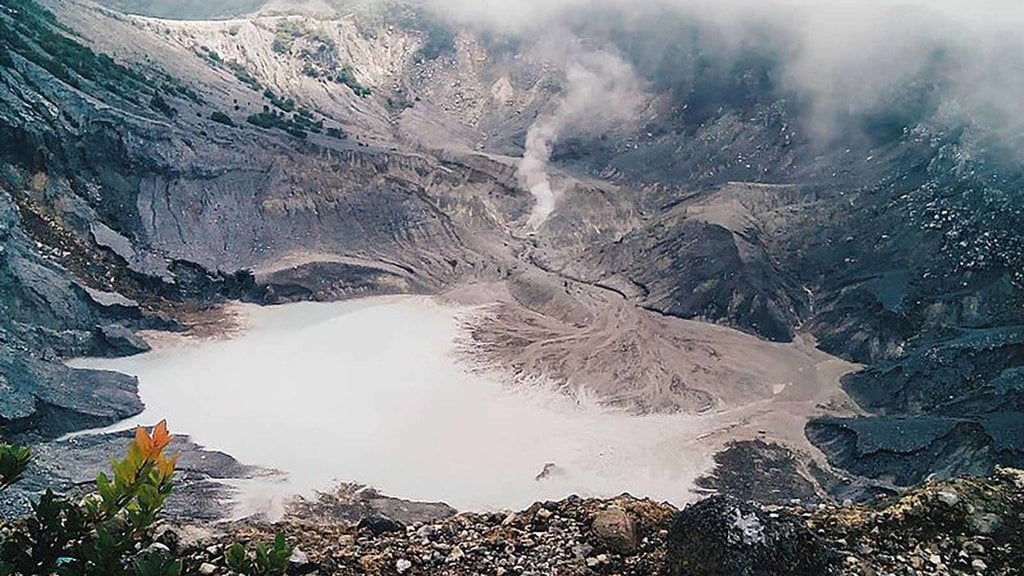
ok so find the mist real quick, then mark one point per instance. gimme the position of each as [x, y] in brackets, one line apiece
[947, 64]
[844, 57]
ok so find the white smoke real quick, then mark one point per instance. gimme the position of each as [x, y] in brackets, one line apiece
[601, 90]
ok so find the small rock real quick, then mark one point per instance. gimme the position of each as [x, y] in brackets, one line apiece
[298, 563]
[582, 550]
[156, 548]
[206, 569]
[167, 536]
[985, 524]
[455, 555]
[214, 550]
[979, 565]
[402, 565]
[949, 498]
[117, 340]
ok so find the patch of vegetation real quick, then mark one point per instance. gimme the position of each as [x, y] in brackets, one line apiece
[243, 75]
[439, 36]
[103, 533]
[33, 32]
[218, 116]
[160, 105]
[285, 104]
[398, 102]
[281, 46]
[173, 87]
[346, 76]
[322, 39]
[5, 55]
[297, 125]
[290, 29]
[262, 560]
[304, 120]
[211, 55]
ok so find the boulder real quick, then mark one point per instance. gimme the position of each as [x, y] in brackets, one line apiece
[722, 536]
[116, 340]
[614, 531]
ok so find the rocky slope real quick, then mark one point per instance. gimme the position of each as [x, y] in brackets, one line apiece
[152, 168]
[963, 527]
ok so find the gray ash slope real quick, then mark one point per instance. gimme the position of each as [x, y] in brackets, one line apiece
[380, 158]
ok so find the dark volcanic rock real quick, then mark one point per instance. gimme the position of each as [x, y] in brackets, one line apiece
[941, 528]
[378, 525]
[908, 450]
[976, 371]
[954, 407]
[769, 473]
[722, 536]
[49, 399]
[706, 271]
[332, 281]
[120, 341]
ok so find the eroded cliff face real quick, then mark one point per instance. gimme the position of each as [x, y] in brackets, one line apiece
[376, 151]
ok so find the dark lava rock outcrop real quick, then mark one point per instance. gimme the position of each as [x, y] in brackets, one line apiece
[722, 536]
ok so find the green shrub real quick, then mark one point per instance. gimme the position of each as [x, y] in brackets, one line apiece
[281, 46]
[298, 125]
[286, 104]
[221, 117]
[158, 103]
[101, 534]
[243, 75]
[13, 461]
[346, 76]
[262, 560]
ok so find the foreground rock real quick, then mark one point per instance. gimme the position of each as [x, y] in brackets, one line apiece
[963, 527]
[722, 536]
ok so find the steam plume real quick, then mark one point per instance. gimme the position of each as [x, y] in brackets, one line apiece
[600, 89]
